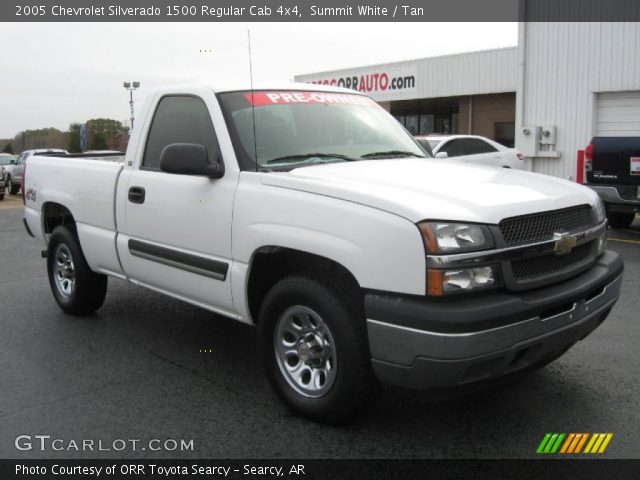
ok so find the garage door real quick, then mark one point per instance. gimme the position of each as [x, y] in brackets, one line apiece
[618, 114]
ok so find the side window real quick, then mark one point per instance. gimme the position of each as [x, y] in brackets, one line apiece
[453, 148]
[475, 146]
[179, 119]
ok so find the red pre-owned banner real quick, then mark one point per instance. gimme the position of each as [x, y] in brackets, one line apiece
[260, 99]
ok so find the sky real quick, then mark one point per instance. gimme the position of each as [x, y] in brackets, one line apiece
[54, 74]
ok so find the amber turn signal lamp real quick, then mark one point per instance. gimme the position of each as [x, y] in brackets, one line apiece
[434, 283]
[428, 237]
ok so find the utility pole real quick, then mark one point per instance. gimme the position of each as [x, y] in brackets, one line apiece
[131, 86]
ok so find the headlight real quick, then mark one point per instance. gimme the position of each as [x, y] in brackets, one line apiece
[445, 237]
[444, 282]
[599, 210]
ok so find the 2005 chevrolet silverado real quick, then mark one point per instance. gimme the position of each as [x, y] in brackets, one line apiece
[311, 213]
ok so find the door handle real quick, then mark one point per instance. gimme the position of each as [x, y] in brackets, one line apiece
[136, 195]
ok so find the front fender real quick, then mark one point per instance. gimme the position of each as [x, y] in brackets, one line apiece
[383, 251]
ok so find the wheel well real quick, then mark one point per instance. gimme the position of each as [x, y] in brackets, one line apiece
[54, 215]
[272, 264]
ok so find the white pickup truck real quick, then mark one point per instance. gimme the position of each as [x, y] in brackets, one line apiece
[312, 214]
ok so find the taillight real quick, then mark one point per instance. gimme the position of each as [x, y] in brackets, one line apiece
[588, 157]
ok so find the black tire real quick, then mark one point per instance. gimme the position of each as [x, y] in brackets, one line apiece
[1, 197]
[620, 219]
[88, 290]
[13, 189]
[354, 387]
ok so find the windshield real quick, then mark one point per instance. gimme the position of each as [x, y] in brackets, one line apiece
[299, 128]
[6, 159]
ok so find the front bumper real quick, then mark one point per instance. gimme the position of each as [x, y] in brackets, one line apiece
[615, 203]
[422, 344]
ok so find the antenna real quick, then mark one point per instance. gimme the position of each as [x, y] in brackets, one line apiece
[253, 105]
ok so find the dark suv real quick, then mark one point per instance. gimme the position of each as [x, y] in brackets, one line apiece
[612, 166]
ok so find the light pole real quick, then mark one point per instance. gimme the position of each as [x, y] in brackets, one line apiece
[131, 86]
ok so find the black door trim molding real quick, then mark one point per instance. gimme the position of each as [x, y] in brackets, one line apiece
[183, 261]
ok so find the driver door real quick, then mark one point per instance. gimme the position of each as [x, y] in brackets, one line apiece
[176, 231]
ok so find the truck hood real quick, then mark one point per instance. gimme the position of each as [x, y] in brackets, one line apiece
[419, 189]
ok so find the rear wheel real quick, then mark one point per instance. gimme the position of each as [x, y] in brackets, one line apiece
[12, 187]
[620, 219]
[76, 288]
[315, 351]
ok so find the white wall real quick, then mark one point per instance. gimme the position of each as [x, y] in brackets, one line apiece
[473, 73]
[565, 65]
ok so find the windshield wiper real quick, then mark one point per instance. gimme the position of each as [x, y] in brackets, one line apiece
[391, 153]
[304, 156]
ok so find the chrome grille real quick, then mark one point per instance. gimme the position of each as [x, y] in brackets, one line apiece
[530, 268]
[541, 226]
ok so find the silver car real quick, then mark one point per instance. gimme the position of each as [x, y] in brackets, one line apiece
[16, 170]
[6, 162]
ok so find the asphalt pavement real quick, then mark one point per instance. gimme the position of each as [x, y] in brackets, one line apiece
[150, 367]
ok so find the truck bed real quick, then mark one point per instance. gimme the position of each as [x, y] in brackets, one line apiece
[86, 183]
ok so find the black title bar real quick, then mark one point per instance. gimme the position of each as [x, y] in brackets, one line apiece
[319, 11]
[317, 469]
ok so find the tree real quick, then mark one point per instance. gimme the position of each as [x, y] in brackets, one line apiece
[98, 142]
[102, 134]
[7, 148]
[40, 138]
[73, 145]
[105, 133]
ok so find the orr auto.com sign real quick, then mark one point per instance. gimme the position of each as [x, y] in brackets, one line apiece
[380, 83]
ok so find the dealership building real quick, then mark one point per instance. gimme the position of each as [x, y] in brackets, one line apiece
[563, 84]
[471, 93]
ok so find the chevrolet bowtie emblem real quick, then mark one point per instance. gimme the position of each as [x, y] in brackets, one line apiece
[564, 243]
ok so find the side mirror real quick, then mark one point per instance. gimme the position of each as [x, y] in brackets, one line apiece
[442, 155]
[189, 159]
[12, 162]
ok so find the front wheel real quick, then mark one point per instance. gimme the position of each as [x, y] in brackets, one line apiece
[620, 219]
[76, 288]
[315, 351]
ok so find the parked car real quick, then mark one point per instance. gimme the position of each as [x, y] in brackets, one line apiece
[6, 160]
[14, 176]
[321, 223]
[612, 166]
[473, 149]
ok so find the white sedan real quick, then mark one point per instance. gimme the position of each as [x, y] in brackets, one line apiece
[473, 149]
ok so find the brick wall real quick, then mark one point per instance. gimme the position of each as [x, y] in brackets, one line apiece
[487, 110]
